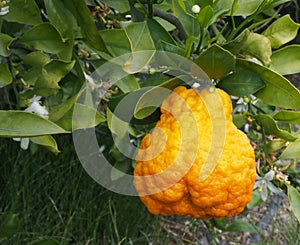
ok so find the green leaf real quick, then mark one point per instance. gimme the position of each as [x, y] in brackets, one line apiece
[9, 226]
[189, 22]
[271, 127]
[52, 73]
[274, 145]
[286, 61]
[243, 8]
[140, 40]
[242, 83]
[44, 37]
[278, 90]
[24, 12]
[258, 46]
[119, 170]
[256, 199]
[241, 226]
[46, 242]
[116, 41]
[26, 124]
[5, 76]
[120, 5]
[59, 111]
[291, 151]
[47, 141]
[128, 84]
[80, 117]
[152, 98]
[294, 200]
[288, 116]
[5, 42]
[36, 59]
[205, 16]
[158, 33]
[216, 61]
[64, 22]
[281, 31]
[86, 22]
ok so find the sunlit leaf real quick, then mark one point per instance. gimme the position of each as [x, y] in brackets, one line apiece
[128, 84]
[288, 116]
[294, 200]
[25, 124]
[286, 60]
[291, 151]
[281, 31]
[277, 87]
[47, 141]
[258, 46]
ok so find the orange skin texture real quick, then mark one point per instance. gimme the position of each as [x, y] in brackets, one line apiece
[182, 140]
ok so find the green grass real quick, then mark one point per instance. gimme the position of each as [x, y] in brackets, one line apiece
[55, 198]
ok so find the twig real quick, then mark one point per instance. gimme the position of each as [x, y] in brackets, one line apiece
[173, 20]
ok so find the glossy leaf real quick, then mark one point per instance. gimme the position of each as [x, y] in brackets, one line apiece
[205, 16]
[216, 61]
[277, 87]
[5, 76]
[288, 116]
[281, 31]
[294, 200]
[271, 127]
[116, 41]
[79, 117]
[9, 226]
[189, 22]
[244, 7]
[24, 12]
[64, 22]
[85, 20]
[274, 145]
[47, 141]
[142, 47]
[291, 151]
[158, 33]
[286, 60]
[242, 83]
[258, 46]
[25, 124]
[5, 42]
[241, 226]
[44, 37]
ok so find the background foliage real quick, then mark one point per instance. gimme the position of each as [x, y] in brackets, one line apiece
[49, 49]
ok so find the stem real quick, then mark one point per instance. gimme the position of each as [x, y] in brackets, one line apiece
[150, 9]
[173, 20]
